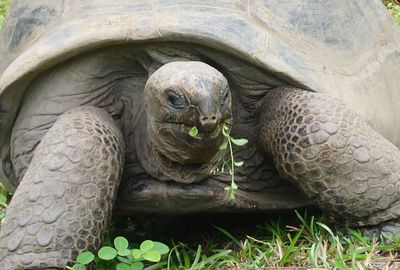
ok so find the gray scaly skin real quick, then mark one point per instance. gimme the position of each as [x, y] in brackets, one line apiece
[179, 96]
[334, 156]
[65, 198]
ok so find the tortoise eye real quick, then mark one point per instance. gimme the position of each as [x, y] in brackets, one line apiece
[175, 100]
[224, 97]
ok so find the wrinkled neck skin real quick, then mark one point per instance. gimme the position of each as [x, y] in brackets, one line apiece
[168, 159]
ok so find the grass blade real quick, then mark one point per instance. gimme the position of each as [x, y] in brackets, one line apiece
[230, 236]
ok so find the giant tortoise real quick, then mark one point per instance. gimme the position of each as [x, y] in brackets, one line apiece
[101, 96]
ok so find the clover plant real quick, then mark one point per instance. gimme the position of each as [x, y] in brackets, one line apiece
[121, 257]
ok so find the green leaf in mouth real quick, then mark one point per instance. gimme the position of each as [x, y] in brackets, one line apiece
[193, 132]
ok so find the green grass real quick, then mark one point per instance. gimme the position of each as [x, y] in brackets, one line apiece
[263, 241]
[292, 240]
[394, 9]
[310, 244]
[4, 197]
[3, 9]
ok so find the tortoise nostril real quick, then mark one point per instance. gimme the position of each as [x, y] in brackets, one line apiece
[208, 122]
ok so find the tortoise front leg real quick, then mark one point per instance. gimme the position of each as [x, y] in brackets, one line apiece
[333, 155]
[63, 203]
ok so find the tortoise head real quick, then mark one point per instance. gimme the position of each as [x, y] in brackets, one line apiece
[187, 96]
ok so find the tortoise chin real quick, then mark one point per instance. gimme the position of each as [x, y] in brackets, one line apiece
[179, 146]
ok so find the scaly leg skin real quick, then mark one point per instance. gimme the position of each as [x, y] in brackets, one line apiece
[64, 201]
[335, 157]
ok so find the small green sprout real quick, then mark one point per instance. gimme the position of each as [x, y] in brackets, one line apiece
[193, 132]
[222, 163]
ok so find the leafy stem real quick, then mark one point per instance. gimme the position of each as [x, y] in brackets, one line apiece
[232, 164]
[221, 162]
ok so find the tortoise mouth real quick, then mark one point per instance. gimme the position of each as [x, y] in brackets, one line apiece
[182, 131]
[176, 142]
